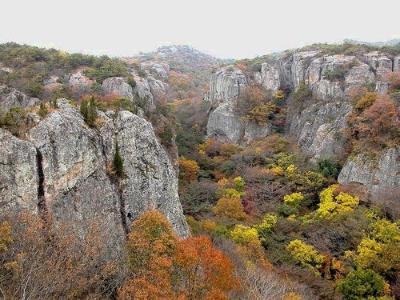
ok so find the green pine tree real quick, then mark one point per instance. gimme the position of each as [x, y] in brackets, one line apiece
[118, 163]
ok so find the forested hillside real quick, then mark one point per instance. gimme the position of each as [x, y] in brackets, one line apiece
[176, 175]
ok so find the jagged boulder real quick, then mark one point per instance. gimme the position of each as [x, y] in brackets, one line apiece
[159, 70]
[76, 187]
[158, 88]
[225, 85]
[10, 97]
[378, 175]
[381, 64]
[396, 64]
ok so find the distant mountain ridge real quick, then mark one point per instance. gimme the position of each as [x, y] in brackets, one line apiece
[392, 42]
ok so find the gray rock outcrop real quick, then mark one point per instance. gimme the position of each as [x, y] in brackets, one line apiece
[376, 175]
[65, 167]
[117, 86]
[18, 174]
[79, 82]
[224, 122]
[318, 123]
[10, 97]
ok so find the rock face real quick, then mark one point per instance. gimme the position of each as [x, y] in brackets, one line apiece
[79, 82]
[18, 174]
[377, 176]
[66, 165]
[317, 124]
[318, 128]
[150, 181]
[224, 123]
[118, 86]
[10, 97]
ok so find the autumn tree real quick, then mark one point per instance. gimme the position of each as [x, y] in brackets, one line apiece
[151, 245]
[42, 262]
[362, 284]
[374, 123]
[163, 266]
[188, 169]
[333, 204]
[306, 255]
[230, 208]
[204, 272]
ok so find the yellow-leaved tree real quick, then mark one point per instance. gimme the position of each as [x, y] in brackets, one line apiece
[333, 204]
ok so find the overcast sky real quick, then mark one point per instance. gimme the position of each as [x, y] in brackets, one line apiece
[224, 28]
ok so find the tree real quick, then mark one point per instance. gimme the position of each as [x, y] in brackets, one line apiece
[189, 169]
[378, 250]
[306, 255]
[205, 272]
[293, 199]
[150, 247]
[5, 236]
[242, 234]
[265, 227]
[88, 109]
[230, 208]
[118, 163]
[375, 125]
[362, 284]
[333, 204]
[164, 267]
[42, 262]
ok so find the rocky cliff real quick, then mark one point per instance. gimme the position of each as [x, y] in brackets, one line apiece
[317, 122]
[62, 169]
[224, 122]
[379, 176]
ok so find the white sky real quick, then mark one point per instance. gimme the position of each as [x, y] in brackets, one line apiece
[224, 28]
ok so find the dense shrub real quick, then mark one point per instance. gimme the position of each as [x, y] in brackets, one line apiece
[362, 284]
[15, 121]
[328, 168]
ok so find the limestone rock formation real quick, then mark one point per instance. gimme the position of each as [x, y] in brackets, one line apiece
[10, 97]
[317, 124]
[224, 122]
[18, 174]
[318, 128]
[380, 175]
[67, 166]
[150, 181]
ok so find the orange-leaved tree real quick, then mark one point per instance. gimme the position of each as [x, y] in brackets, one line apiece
[188, 169]
[151, 246]
[204, 272]
[163, 266]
